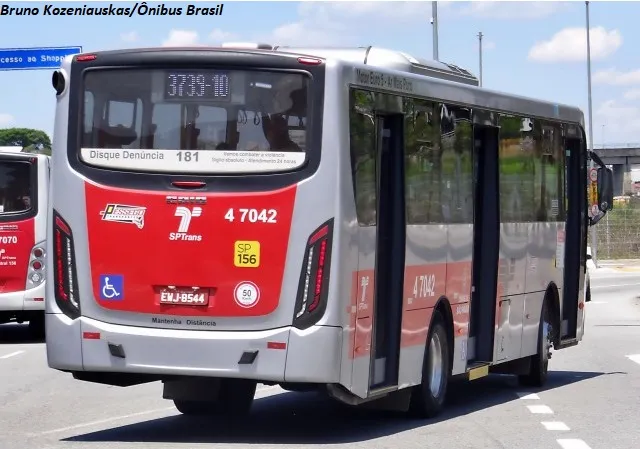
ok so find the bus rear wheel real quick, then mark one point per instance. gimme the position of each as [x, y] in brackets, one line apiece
[539, 365]
[234, 400]
[427, 399]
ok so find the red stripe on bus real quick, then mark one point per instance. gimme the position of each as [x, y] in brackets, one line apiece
[423, 286]
[17, 239]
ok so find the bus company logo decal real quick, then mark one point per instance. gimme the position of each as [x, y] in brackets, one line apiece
[123, 213]
[186, 215]
[173, 199]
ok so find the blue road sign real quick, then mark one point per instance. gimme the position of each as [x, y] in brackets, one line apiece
[37, 58]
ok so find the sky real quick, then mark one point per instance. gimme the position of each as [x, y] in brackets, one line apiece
[534, 49]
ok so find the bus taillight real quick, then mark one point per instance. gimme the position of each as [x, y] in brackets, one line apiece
[64, 268]
[313, 289]
[85, 58]
[35, 273]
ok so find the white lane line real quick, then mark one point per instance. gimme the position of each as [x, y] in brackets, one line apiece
[107, 420]
[616, 285]
[554, 425]
[259, 391]
[540, 409]
[634, 358]
[572, 444]
[525, 395]
[11, 355]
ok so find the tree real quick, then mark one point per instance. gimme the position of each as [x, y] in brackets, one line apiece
[31, 140]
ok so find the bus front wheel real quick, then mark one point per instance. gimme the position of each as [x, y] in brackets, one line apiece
[539, 363]
[427, 399]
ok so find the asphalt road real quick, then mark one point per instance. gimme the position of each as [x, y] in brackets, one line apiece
[591, 401]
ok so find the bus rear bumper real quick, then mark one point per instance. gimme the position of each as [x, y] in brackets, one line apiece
[24, 300]
[283, 355]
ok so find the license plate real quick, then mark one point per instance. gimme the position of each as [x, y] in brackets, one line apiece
[184, 296]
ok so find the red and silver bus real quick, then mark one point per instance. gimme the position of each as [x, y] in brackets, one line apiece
[357, 221]
[24, 184]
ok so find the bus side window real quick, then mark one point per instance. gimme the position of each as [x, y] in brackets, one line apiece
[517, 169]
[363, 155]
[457, 165]
[423, 162]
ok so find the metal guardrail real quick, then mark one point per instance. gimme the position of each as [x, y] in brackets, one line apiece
[613, 146]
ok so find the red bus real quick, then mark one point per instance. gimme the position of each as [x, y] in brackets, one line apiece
[24, 188]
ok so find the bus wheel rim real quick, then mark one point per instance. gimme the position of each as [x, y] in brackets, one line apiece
[546, 340]
[436, 366]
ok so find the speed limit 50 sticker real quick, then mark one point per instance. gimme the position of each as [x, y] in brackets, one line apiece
[246, 294]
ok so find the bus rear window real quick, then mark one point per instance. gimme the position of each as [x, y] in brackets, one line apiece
[15, 187]
[194, 121]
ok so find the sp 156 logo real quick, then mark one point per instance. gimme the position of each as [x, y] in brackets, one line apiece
[186, 215]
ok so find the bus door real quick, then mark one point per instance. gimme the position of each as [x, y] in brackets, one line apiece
[486, 246]
[574, 237]
[378, 328]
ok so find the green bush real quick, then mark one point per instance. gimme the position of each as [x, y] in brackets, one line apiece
[618, 233]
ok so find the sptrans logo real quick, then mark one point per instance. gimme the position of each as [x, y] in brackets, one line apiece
[186, 215]
[122, 213]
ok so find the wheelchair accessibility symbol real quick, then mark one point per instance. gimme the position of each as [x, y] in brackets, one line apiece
[112, 287]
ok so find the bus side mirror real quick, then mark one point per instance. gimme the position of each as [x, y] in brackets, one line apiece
[605, 189]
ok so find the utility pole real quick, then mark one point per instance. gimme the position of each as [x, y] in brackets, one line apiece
[434, 22]
[480, 50]
[594, 236]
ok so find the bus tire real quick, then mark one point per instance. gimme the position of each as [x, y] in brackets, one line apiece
[36, 326]
[427, 399]
[234, 400]
[539, 366]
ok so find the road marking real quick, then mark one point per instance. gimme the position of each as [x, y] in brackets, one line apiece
[627, 269]
[554, 425]
[634, 358]
[598, 302]
[572, 444]
[616, 285]
[540, 409]
[107, 420]
[11, 355]
[524, 395]
[133, 415]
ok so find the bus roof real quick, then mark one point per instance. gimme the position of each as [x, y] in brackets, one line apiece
[10, 149]
[381, 58]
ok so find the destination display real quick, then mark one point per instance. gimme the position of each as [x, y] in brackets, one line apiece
[201, 85]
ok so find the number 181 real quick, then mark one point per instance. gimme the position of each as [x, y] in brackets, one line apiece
[187, 156]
